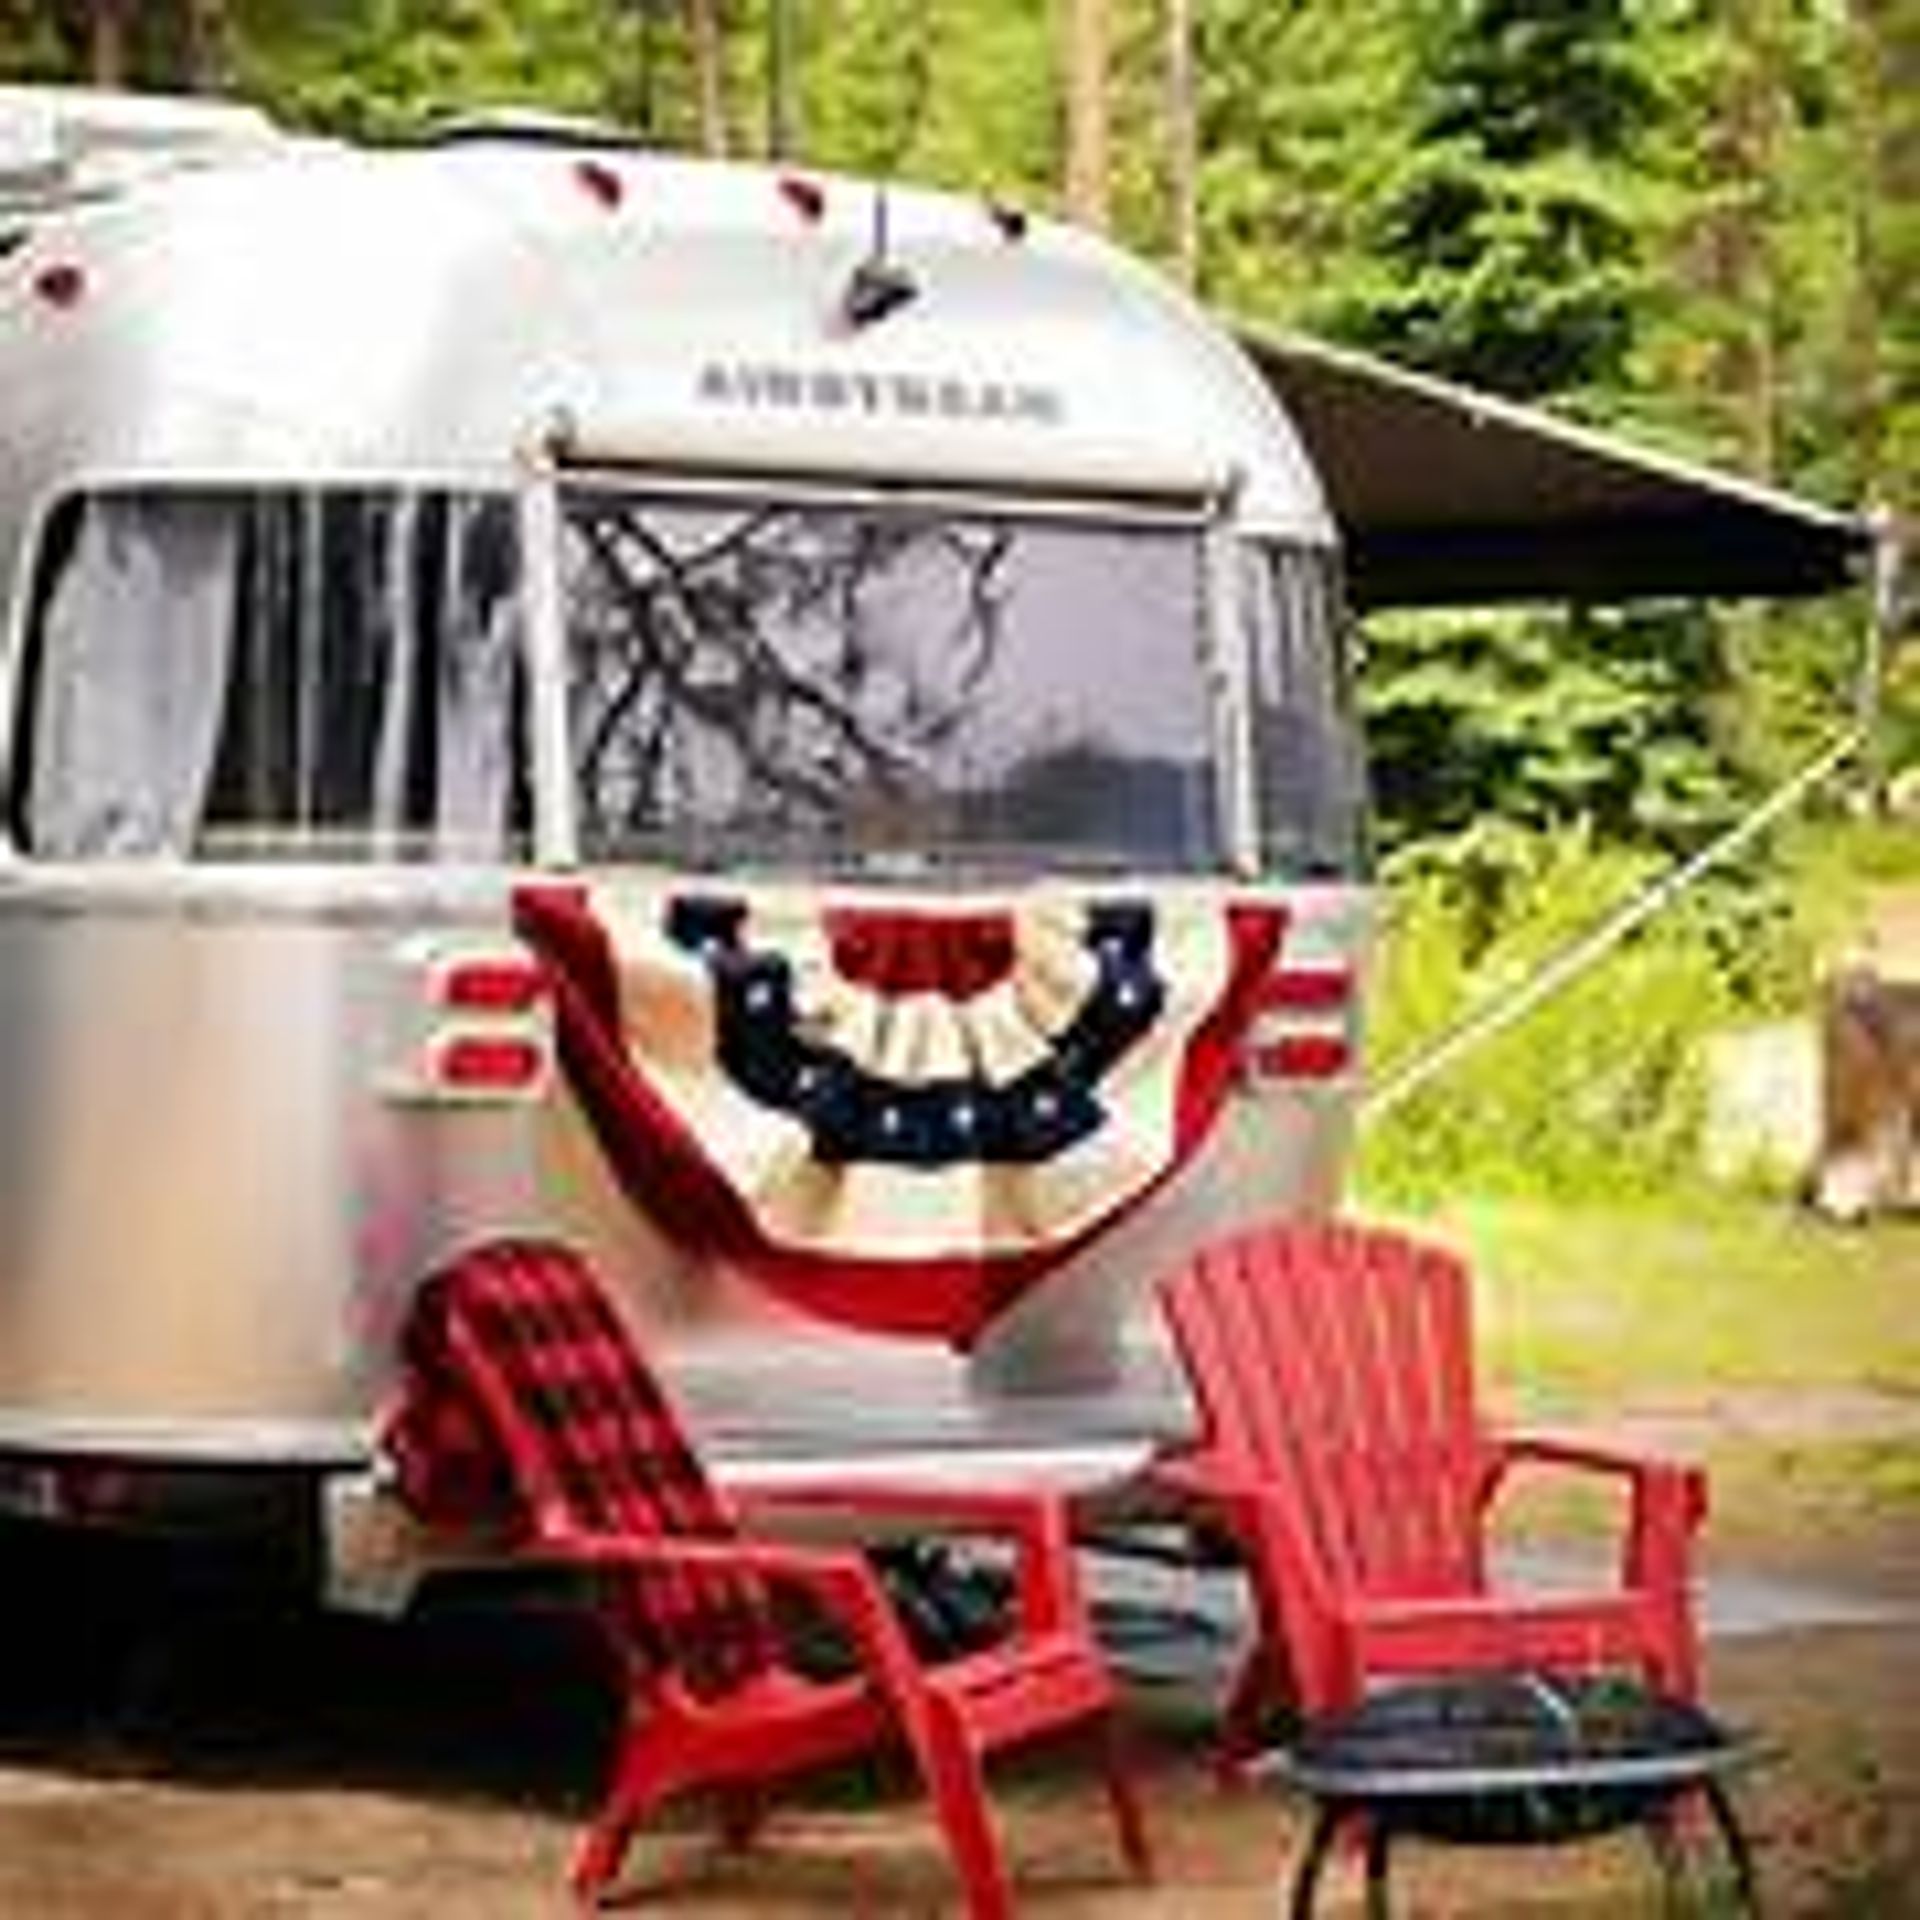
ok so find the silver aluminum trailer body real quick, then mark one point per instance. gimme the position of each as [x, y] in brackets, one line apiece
[305, 455]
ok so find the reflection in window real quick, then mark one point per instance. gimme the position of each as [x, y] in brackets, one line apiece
[825, 683]
[1309, 779]
[325, 674]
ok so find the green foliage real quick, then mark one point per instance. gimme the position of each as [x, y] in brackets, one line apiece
[1508, 245]
[1505, 247]
[958, 93]
[991, 117]
[1789, 143]
[384, 68]
[32, 45]
[1599, 1090]
[1299, 121]
[866, 74]
[1525, 282]
[1545, 720]
[1834, 867]
[1524, 78]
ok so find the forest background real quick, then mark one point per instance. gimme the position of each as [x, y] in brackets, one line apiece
[1692, 222]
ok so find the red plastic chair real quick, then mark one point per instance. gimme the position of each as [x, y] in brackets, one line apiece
[1341, 1449]
[523, 1390]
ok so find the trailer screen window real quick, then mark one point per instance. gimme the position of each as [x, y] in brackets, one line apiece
[1309, 780]
[809, 683]
[288, 673]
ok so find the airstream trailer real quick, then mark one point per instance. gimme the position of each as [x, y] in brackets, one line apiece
[789, 732]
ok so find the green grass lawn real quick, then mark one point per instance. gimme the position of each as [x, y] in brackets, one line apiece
[1785, 1351]
[1586, 1309]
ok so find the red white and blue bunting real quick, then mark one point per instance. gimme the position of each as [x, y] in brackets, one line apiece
[900, 1115]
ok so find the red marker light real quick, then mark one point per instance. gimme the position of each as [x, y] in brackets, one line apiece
[1306, 989]
[61, 284]
[806, 197]
[1012, 221]
[490, 986]
[488, 1063]
[600, 183]
[1303, 1056]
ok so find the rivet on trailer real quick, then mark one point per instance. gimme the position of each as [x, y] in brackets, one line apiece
[792, 732]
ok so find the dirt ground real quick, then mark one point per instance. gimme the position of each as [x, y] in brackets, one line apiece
[227, 1762]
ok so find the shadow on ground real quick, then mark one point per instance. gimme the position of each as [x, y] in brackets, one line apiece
[133, 1655]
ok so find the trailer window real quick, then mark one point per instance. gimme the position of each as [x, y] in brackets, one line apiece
[886, 686]
[295, 673]
[1310, 781]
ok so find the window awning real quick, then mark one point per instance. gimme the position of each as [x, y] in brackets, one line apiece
[1447, 496]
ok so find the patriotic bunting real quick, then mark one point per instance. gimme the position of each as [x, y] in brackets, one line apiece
[899, 1114]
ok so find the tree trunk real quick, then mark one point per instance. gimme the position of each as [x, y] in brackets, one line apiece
[1883, 152]
[107, 22]
[783, 114]
[709, 71]
[1875, 188]
[204, 62]
[1183, 181]
[1088, 35]
[1737, 237]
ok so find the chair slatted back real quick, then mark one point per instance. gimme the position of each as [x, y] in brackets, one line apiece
[1337, 1361]
[517, 1343]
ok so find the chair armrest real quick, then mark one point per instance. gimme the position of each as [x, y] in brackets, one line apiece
[1213, 1485]
[1668, 1499]
[1678, 1486]
[1561, 1450]
[1003, 1510]
[1198, 1476]
[1049, 1592]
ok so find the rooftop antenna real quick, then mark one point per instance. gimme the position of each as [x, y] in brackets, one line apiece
[879, 285]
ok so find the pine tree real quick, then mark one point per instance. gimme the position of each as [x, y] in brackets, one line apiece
[1298, 119]
[1504, 246]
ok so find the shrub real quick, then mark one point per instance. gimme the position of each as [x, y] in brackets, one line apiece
[1598, 1090]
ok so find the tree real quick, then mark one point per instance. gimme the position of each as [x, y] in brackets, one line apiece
[1182, 141]
[1880, 384]
[176, 44]
[706, 35]
[1601, 718]
[107, 22]
[1089, 34]
[1298, 114]
[1504, 246]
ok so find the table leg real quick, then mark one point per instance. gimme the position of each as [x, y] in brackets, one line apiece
[1733, 1838]
[1379, 1840]
[1661, 1829]
[1664, 1844]
[1306, 1882]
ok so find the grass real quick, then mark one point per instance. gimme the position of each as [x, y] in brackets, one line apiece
[1782, 1346]
[1583, 1308]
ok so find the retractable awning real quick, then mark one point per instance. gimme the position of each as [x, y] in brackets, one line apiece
[1448, 496]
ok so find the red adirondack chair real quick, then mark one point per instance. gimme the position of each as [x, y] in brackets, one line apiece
[1341, 1449]
[525, 1394]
